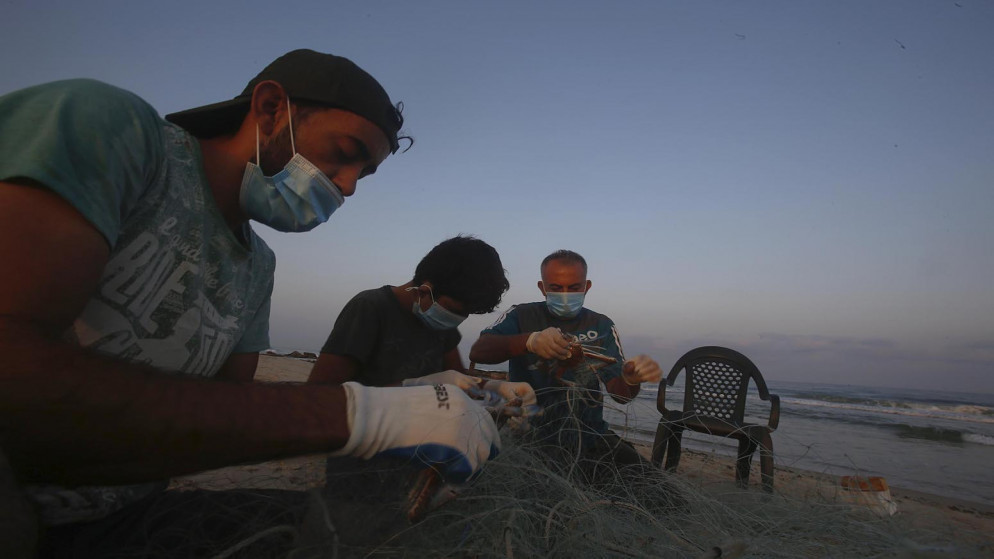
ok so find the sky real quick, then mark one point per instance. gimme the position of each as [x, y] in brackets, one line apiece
[810, 183]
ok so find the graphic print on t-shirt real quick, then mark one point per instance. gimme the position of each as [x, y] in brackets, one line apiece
[148, 316]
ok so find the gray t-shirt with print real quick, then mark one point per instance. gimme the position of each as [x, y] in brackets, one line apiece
[180, 292]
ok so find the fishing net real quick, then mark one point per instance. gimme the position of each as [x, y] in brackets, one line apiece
[527, 504]
[533, 502]
[538, 498]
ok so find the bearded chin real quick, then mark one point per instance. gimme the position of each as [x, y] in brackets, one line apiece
[275, 153]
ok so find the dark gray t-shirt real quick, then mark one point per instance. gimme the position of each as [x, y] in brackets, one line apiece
[389, 342]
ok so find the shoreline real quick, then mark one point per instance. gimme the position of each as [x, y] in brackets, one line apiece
[823, 483]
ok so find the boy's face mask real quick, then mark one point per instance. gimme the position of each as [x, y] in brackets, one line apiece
[436, 317]
[296, 199]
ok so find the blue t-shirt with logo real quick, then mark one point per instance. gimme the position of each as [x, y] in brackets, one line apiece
[573, 401]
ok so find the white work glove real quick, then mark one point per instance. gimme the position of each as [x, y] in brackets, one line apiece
[465, 382]
[438, 425]
[641, 369]
[548, 344]
[512, 391]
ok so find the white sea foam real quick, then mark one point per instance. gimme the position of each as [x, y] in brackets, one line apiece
[976, 438]
[972, 409]
[971, 413]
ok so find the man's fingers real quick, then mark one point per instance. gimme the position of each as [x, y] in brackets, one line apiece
[525, 393]
[646, 369]
[549, 344]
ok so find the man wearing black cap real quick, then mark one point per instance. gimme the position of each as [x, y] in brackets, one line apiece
[128, 254]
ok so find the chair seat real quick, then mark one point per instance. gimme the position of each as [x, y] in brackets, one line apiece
[716, 426]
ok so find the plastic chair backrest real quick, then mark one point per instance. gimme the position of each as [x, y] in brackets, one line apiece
[717, 382]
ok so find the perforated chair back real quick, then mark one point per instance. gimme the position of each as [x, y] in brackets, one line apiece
[717, 382]
[715, 388]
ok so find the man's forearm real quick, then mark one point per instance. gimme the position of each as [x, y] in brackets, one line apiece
[68, 416]
[332, 368]
[621, 391]
[494, 348]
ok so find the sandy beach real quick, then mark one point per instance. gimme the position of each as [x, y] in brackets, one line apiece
[710, 472]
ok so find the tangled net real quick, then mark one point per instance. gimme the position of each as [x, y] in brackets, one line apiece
[529, 502]
[526, 505]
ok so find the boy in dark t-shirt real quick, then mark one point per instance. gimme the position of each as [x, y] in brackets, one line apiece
[405, 334]
[408, 334]
[378, 340]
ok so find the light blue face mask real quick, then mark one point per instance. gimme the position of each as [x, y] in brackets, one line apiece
[436, 317]
[564, 304]
[296, 199]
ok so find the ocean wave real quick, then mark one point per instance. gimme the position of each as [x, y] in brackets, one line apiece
[839, 399]
[644, 429]
[942, 435]
[960, 412]
[977, 438]
[973, 409]
[944, 409]
[928, 433]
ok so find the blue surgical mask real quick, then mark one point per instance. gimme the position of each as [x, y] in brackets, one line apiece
[436, 317]
[296, 199]
[564, 304]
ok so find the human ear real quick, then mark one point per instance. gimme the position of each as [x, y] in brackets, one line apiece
[268, 106]
[424, 295]
[589, 283]
[426, 288]
[541, 287]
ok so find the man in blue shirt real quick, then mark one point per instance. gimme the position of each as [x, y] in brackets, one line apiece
[543, 342]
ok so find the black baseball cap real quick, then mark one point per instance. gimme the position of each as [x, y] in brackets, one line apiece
[306, 75]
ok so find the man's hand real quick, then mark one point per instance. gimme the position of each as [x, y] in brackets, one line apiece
[464, 382]
[513, 391]
[439, 425]
[641, 369]
[548, 344]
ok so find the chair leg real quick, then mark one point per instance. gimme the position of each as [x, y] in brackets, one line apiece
[673, 449]
[766, 461]
[747, 447]
[663, 435]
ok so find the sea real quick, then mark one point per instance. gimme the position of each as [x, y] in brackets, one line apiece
[930, 441]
